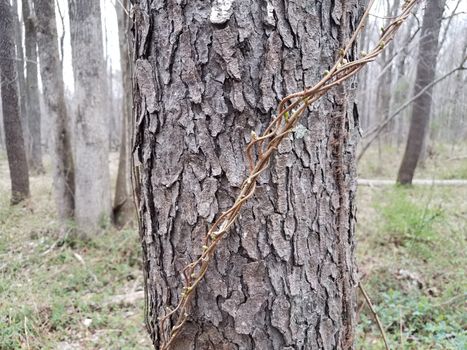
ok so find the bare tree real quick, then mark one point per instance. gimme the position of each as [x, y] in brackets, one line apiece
[123, 204]
[54, 95]
[205, 77]
[426, 71]
[32, 89]
[92, 179]
[14, 139]
[20, 59]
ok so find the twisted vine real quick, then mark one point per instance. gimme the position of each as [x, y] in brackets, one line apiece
[290, 110]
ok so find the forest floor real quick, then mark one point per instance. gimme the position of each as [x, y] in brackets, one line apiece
[61, 293]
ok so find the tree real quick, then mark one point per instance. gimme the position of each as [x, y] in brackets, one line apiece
[14, 140]
[205, 77]
[18, 38]
[123, 209]
[32, 89]
[426, 72]
[54, 95]
[92, 179]
[383, 96]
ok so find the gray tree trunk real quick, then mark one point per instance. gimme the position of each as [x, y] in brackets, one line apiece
[32, 90]
[54, 96]
[426, 71]
[20, 58]
[14, 139]
[2, 131]
[123, 202]
[206, 75]
[92, 179]
[402, 85]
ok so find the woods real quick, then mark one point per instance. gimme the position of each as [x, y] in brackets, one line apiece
[206, 161]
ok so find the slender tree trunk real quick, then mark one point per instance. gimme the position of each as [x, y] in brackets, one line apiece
[426, 71]
[207, 74]
[123, 203]
[14, 139]
[402, 85]
[2, 131]
[364, 94]
[92, 195]
[54, 95]
[20, 58]
[385, 86]
[32, 90]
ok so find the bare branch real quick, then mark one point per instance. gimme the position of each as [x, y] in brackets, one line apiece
[375, 132]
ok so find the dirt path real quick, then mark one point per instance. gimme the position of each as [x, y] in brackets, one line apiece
[423, 182]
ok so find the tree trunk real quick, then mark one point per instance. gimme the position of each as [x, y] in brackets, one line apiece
[54, 96]
[92, 179]
[18, 31]
[123, 203]
[14, 139]
[32, 90]
[401, 88]
[426, 71]
[206, 75]
[385, 81]
[2, 131]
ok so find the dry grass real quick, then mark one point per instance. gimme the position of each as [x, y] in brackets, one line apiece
[55, 291]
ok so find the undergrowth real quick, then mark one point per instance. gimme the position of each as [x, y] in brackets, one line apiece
[408, 221]
[59, 293]
[411, 255]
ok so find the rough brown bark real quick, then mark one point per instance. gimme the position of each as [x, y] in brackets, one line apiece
[33, 111]
[54, 96]
[123, 209]
[92, 178]
[206, 75]
[14, 140]
[426, 71]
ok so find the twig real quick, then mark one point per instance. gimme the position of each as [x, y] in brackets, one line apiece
[401, 328]
[452, 300]
[18, 59]
[82, 262]
[26, 333]
[375, 315]
[457, 158]
[376, 131]
[62, 37]
[123, 7]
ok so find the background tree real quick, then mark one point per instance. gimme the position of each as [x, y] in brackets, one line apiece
[92, 179]
[14, 140]
[54, 95]
[123, 202]
[20, 59]
[426, 72]
[32, 89]
[206, 76]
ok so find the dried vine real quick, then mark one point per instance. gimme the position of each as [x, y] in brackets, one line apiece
[291, 108]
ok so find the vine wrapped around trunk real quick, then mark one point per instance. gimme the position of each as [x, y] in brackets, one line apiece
[289, 113]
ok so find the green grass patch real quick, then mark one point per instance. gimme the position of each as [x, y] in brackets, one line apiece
[409, 221]
[411, 244]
